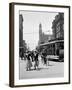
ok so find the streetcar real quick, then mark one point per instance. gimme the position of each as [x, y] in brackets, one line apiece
[54, 49]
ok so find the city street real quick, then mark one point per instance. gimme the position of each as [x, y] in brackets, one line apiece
[54, 69]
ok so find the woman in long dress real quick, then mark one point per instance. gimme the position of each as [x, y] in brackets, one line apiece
[28, 63]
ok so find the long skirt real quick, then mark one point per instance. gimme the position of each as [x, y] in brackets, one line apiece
[28, 64]
[36, 63]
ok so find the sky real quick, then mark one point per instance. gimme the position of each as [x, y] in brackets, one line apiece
[31, 21]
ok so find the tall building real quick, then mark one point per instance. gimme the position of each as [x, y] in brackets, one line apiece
[20, 30]
[58, 26]
[20, 35]
[43, 37]
[40, 34]
[58, 33]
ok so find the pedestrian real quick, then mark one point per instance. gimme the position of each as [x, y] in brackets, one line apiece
[36, 64]
[32, 56]
[44, 57]
[28, 63]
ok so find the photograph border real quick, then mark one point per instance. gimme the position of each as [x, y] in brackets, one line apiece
[11, 43]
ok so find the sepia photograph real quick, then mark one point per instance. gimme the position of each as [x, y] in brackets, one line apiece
[39, 44]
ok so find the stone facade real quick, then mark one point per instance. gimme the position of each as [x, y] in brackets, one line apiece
[58, 31]
[58, 26]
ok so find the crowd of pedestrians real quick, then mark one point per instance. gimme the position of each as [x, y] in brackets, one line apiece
[32, 59]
